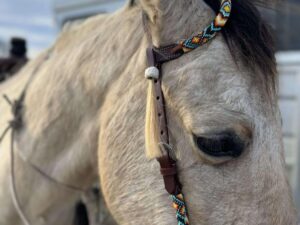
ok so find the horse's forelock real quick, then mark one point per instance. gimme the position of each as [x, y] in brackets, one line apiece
[249, 37]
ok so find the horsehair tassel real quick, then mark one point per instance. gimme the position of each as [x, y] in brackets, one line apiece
[211, 30]
[152, 73]
[181, 212]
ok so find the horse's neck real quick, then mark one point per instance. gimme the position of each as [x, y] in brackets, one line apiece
[69, 89]
[63, 102]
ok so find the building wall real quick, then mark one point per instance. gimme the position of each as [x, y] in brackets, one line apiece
[289, 101]
[3, 49]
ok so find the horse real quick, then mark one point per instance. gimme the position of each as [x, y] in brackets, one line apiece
[83, 116]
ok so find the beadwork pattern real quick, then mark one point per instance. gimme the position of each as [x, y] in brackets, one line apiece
[181, 213]
[210, 31]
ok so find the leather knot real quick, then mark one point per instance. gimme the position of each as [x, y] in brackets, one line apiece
[17, 111]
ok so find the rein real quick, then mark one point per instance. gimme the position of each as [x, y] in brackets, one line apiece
[15, 125]
[156, 57]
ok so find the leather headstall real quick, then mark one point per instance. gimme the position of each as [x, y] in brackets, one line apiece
[156, 57]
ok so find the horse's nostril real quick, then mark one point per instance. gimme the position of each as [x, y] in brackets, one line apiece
[226, 143]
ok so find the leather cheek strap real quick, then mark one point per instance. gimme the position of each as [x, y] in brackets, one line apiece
[156, 57]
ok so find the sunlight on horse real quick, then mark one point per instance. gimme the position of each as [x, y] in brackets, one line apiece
[84, 115]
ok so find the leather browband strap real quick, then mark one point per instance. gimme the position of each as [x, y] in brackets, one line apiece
[167, 53]
[156, 57]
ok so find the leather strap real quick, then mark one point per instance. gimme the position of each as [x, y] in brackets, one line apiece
[167, 53]
[169, 172]
[156, 57]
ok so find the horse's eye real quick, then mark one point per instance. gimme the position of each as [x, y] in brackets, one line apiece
[222, 144]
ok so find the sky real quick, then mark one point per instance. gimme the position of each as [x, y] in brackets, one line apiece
[30, 19]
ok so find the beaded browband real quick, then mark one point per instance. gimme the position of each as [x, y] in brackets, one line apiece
[156, 57]
[209, 32]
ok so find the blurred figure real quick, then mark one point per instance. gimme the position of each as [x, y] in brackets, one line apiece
[16, 60]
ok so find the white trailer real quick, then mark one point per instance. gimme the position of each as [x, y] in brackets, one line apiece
[72, 10]
[289, 101]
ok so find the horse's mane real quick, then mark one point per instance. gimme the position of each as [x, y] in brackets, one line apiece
[249, 33]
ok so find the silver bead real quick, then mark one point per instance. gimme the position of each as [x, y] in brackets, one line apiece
[152, 73]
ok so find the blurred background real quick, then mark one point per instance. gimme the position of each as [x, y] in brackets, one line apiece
[39, 22]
